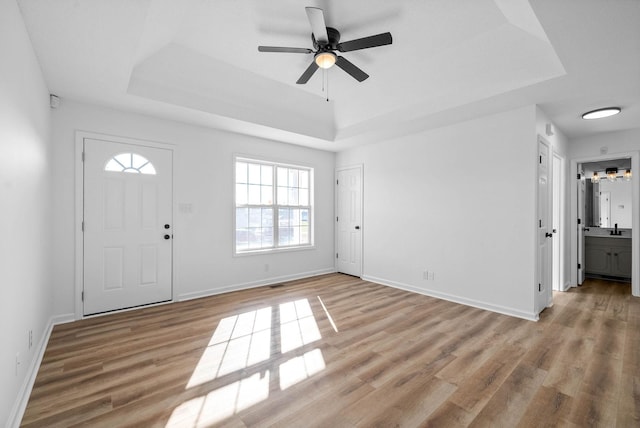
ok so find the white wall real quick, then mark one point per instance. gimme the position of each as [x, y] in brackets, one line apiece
[458, 201]
[203, 162]
[25, 238]
[614, 142]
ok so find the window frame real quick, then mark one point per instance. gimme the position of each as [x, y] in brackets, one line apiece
[274, 206]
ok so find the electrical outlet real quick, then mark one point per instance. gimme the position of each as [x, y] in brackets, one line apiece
[425, 274]
[30, 338]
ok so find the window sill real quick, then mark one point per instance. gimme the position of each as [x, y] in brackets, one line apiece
[273, 251]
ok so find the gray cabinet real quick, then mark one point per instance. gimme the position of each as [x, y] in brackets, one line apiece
[608, 256]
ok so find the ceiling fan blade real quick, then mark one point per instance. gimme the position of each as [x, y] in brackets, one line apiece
[366, 42]
[318, 26]
[307, 73]
[351, 69]
[284, 49]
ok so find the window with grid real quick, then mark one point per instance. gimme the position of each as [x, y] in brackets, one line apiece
[272, 206]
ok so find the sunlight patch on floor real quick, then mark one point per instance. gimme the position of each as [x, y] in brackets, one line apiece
[300, 368]
[238, 344]
[221, 403]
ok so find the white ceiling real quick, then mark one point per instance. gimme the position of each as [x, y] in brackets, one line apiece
[197, 61]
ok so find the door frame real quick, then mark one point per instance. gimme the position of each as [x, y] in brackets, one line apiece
[335, 213]
[80, 136]
[635, 223]
[558, 197]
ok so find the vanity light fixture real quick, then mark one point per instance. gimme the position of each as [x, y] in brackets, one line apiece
[595, 178]
[612, 174]
[627, 175]
[601, 112]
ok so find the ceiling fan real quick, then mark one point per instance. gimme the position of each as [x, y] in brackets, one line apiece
[326, 41]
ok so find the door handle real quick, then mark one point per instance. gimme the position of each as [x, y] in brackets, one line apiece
[167, 236]
[357, 227]
[548, 235]
[166, 226]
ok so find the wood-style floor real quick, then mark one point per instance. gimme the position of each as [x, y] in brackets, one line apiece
[336, 351]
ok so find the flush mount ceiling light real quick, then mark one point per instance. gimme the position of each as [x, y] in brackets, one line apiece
[601, 112]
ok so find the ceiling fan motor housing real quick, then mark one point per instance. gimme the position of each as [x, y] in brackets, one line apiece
[334, 39]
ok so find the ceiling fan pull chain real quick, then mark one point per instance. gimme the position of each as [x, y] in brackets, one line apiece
[327, 71]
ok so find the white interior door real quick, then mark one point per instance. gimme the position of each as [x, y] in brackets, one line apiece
[349, 221]
[128, 229]
[581, 225]
[543, 290]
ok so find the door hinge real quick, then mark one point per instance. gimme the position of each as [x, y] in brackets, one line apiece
[336, 218]
[539, 223]
[336, 255]
[578, 176]
[82, 296]
[82, 157]
[540, 157]
[579, 221]
[337, 182]
[539, 287]
[579, 266]
[82, 226]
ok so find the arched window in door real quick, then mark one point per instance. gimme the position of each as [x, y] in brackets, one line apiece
[130, 162]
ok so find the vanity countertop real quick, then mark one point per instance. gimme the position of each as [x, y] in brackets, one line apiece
[596, 232]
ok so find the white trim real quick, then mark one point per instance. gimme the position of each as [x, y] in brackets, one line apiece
[529, 316]
[19, 406]
[561, 234]
[80, 136]
[253, 284]
[635, 206]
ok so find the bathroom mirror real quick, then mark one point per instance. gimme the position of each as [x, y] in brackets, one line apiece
[607, 202]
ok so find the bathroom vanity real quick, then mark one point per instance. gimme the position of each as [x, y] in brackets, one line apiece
[608, 255]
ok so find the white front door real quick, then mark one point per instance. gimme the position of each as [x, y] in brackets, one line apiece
[349, 221]
[543, 289]
[128, 227]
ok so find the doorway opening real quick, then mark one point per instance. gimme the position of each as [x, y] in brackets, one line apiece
[604, 205]
[607, 226]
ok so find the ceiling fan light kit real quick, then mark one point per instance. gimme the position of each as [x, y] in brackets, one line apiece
[325, 59]
[326, 41]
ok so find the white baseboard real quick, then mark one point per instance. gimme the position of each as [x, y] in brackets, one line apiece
[566, 286]
[530, 316]
[253, 284]
[20, 405]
